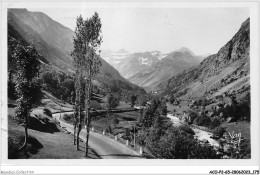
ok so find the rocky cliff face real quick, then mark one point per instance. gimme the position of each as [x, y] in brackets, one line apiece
[222, 72]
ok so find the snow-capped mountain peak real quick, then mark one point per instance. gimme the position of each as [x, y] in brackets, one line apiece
[145, 61]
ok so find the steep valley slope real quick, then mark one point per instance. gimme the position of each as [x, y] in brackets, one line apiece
[227, 71]
[54, 42]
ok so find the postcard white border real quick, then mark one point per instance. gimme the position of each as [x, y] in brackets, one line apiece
[254, 72]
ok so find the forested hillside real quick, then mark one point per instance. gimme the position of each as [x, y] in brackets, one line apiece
[54, 44]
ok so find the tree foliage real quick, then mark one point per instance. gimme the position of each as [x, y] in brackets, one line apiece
[215, 123]
[186, 128]
[142, 99]
[152, 114]
[202, 120]
[87, 61]
[133, 99]
[112, 102]
[57, 83]
[27, 86]
[218, 131]
[166, 141]
[176, 144]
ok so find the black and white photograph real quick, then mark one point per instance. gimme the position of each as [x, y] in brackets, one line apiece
[146, 81]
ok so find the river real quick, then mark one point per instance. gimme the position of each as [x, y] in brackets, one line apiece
[200, 134]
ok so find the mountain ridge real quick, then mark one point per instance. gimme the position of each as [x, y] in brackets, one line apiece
[228, 67]
[56, 51]
[168, 66]
[141, 67]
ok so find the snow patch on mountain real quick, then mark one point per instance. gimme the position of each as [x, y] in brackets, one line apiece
[162, 56]
[145, 61]
[155, 53]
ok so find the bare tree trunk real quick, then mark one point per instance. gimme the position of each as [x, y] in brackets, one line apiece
[75, 123]
[80, 106]
[26, 136]
[79, 129]
[79, 121]
[74, 134]
[88, 117]
[87, 137]
[107, 122]
[75, 117]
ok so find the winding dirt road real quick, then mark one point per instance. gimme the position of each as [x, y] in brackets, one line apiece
[105, 147]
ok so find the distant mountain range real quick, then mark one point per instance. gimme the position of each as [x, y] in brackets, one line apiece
[55, 42]
[179, 72]
[114, 57]
[136, 62]
[228, 71]
[149, 69]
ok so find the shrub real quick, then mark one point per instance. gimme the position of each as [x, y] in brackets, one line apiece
[142, 100]
[115, 121]
[202, 120]
[215, 123]
[133, 99]
[245, 151]
[47, 112]
[172, 99]
[191, 116]
[127, 135]
[68, 118]
[219, 131]
[186, 129]
[163, 109]
[203, 102]
[141, 138]
[112, 102]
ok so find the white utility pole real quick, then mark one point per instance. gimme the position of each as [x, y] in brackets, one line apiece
[60, 105]
[134, 136]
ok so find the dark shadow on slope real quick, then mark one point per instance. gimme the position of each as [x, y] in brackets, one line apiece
[16, 140]
[92, 154]
[42, 124]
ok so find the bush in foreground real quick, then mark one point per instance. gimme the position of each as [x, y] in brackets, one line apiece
[176, 144]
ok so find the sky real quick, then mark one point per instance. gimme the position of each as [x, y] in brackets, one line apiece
[203, 30]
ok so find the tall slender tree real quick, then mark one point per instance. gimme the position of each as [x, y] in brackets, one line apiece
[93, 37]
[77, 58]
[87, 61]
[26, 83]
[79, 107]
